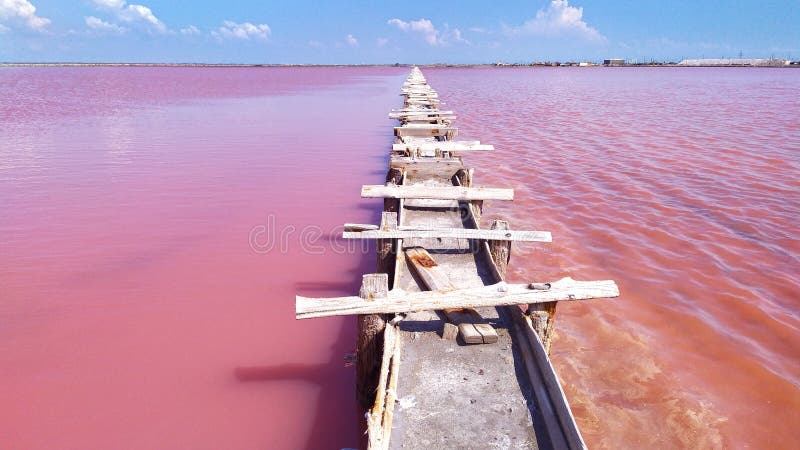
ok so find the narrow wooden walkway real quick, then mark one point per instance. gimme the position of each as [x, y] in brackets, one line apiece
[443, 360]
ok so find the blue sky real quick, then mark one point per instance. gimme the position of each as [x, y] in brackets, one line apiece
[411, 31]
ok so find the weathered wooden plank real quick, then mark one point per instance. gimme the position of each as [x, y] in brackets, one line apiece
[423, 118]
[419, 111]
[493, 295]
[446, 146]
[428, 131]
[450, 331]
[443, 163]
[469, 322]
[440, 192]
[420, 94]
[558, 419]
[399, 114]
[406, 232]
[380, 416]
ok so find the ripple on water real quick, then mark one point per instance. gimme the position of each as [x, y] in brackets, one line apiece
[682, 186]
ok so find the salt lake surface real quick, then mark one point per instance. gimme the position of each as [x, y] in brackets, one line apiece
[155, 224]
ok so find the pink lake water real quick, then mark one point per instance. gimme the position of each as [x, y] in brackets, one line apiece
[157, 222]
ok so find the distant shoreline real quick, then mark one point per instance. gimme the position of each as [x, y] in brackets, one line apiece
[110, 64]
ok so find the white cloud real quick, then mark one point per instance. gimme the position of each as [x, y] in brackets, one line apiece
[100, 25]
[351, 41]
[455, 34]
[423, 27]
[244, 31]
[557, 20]
[132, 13]
[429, 32]
[23, 11]
[111, 4]
[191, 30]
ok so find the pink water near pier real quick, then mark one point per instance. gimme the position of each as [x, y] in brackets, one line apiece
[155, 224]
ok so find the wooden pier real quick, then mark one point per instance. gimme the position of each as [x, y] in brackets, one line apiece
[446, 355]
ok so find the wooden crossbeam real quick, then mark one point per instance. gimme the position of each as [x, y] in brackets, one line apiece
[473, 329]
[419, 93]
[420, 111]
[438, 192]
[424, 116]
[493, 295]
[366, 231]
[424, 131]
[448, 164]
[446, 146]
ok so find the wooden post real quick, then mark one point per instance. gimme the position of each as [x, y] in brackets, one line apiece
[542, 314]
[386, 254]
[395, 177]
[543, 317]
[464, 178]
[369, 346]
[500, 250]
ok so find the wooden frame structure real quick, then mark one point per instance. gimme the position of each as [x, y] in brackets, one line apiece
[427, 182]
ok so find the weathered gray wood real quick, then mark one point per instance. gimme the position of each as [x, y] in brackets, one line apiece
[500, 250]
[492, 295]
[368, 344]
[446, 146]
[543, 317]
[385, 247]
[416, 111]
[422, 113]
[405, 232]
[558, 419]
[422, 119]
[360, 227]
[438, 164]
[439, 192]
[470, 323]
[393, 177]
[425, 131]
[449, 331]
[379, 418]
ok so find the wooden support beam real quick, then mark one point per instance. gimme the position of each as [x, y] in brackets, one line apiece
[368, 344]
[440, 164]
[500, 250]
[380, 416]
[557, 419]
[493, 295]
[446, 146]
[401, 114]
[438, 192]
[416, 111]
[385, 247]
[394, 177]
[473, 328]
[543, 318]
[421, 118]
[465, 177]
[359, 231]
[425, 130]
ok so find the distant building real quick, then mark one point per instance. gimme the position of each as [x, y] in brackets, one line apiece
[585, 64]
[735, 62]
[614, 62]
